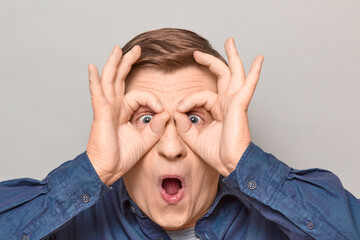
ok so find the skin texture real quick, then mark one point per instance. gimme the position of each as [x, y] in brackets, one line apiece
[171, 155]
[218, 96]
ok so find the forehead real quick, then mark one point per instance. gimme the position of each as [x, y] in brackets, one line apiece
[172, 86]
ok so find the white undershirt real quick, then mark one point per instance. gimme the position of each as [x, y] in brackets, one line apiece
[183, 234]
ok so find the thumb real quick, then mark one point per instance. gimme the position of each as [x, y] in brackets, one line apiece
[187, 131]
[155, 129]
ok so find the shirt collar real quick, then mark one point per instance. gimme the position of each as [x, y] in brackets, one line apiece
[223, 190]
[119, 187]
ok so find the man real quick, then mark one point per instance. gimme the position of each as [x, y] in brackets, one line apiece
[170, 157]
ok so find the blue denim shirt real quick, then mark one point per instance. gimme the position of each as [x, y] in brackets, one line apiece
[262, 198]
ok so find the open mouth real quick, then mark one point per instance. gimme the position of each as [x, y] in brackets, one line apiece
[171, 185]
[172, 189]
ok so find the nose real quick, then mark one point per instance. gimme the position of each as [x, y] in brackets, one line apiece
[170, 145]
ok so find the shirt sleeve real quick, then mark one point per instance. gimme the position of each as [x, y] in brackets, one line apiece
[32, 209]
[304, 203]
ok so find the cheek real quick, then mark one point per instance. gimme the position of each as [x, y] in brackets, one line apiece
[139, 178]
[204, 177]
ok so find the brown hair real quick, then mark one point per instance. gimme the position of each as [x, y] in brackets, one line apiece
[169, 49]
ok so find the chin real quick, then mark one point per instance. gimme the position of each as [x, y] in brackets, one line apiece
[172, 221]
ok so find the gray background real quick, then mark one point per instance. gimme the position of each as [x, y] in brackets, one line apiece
[305, 110]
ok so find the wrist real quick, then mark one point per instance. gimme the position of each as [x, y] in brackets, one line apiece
[230, 164]
[228, 167]
[107, 177]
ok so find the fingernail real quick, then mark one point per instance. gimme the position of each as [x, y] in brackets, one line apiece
[181, 107]
[134, 47]
[199, 53]
[182, 125]
[156, 127]
[232, 42]
[159, 106]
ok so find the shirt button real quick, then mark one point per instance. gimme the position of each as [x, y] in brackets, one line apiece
[25, 237]
[132, 209]
[141, 214]
[310, 225]
[85, 198]
[251, 185]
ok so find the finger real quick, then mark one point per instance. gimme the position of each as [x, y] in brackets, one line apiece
[96, 92]
[236, 67]
[253, 76]
[216, 66]
[124, 68]
[254, 73]
[155, 129]
[204, 99]
[187, 131]
[109, 71]
[137, 98]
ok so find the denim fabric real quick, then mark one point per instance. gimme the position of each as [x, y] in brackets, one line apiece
[262, 199]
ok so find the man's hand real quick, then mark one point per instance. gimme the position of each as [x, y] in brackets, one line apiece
[222, 143]
[114, 145]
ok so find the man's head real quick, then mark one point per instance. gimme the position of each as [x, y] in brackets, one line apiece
[171, 184]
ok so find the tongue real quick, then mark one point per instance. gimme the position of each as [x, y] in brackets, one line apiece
[171, 185]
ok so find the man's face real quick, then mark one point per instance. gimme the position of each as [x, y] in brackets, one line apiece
[171, 184]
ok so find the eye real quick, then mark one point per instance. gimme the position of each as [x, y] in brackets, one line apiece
[145, 118]
[194, 118]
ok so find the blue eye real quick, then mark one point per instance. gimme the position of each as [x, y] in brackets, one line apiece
[145, 119]
[194, 119]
